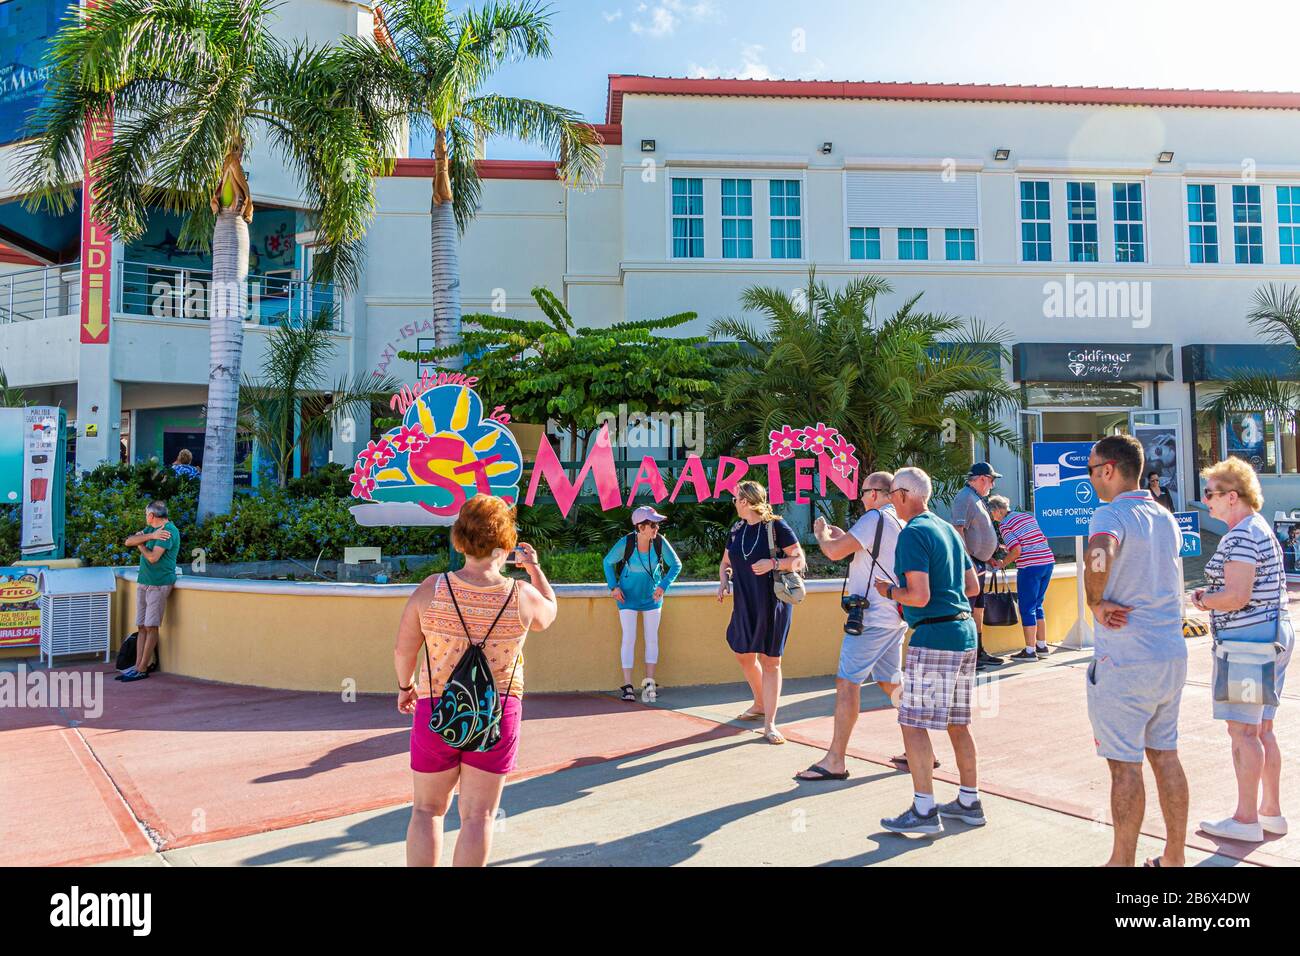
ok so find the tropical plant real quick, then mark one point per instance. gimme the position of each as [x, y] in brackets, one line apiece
[906, 389]
[1275, 315]
[553, 369]
[189, 83]
[286, 410]
[10, 397]
[434, 67]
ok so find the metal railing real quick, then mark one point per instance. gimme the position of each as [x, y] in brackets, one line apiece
[173, 292]
[40, 293]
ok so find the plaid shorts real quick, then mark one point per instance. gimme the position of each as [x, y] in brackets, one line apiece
[936, 688]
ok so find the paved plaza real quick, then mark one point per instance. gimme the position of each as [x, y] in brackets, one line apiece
[181, 772]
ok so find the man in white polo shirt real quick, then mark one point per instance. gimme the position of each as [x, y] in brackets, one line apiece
[1139, 665]
[876, 652]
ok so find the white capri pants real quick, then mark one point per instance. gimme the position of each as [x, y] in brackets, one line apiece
[628, 620]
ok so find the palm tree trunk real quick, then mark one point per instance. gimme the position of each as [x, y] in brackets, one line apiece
[445, 257]
[227, 305]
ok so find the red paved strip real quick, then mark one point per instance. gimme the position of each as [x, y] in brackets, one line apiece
[1035, 746]
[200, 762]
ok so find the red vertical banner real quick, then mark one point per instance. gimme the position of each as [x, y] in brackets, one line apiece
[96, 241]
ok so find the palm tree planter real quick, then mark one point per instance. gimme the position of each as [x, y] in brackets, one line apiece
[433, 67]
[189, 82]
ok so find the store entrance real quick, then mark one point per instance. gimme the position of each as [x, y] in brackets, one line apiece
[1083, 426]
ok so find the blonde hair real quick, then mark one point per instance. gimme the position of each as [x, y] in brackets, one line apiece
[1233, 474]
[755, 495]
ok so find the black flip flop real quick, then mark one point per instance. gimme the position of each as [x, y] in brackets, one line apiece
[901, 763]
[629, 692]
[822, 774]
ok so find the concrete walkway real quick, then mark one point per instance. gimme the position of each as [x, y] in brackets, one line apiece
[181, 772]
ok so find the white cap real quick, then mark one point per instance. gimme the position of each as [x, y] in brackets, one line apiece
[646, 513]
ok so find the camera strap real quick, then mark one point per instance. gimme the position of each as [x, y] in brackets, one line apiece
[874, 550]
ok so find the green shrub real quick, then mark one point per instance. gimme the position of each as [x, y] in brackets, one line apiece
[574, 567]
[702, 565]
[11, 530]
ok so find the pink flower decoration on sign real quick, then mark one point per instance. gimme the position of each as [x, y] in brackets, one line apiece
[786, 441]
[377, 453]
[362, 484]
[818, 438]
[410, 438]
[842, 458]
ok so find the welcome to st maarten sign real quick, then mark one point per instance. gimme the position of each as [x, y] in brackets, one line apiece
[445, 451]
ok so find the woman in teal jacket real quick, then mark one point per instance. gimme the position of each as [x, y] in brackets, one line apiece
[639, 569]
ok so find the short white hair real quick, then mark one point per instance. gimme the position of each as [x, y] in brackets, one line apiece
[914, 480]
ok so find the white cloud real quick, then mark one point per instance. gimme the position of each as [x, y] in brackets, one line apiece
[611, 17]
[663, 18]
[751, 67]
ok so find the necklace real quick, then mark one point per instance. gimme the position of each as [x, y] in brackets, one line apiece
[746, 552]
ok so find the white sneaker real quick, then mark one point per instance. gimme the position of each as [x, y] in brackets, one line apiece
[1232, 829]
[1275, 825]
[650, 691]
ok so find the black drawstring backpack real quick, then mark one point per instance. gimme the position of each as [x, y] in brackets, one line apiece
[468, 714]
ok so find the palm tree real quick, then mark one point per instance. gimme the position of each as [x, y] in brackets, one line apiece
[434, 67]
[1275, 314]
[904, 389]
[10, 397]
[190, 82]
[285, 411]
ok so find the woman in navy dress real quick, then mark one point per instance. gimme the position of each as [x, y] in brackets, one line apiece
[759, 622]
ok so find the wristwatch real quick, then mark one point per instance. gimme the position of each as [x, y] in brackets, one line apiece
[889, 593]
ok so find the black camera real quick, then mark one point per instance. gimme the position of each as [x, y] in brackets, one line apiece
[854, 605]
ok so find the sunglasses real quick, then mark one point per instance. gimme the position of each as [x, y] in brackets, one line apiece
[1208, 494]
[1102, 464]
[883, 491]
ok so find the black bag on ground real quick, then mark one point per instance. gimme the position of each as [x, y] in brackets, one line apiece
[126, 654]
[1000, 604]
[468, 714]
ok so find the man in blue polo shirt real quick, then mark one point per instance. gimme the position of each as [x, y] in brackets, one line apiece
[1139, 664]
[936, 580]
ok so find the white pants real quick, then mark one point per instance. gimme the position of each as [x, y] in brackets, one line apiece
[628, 620]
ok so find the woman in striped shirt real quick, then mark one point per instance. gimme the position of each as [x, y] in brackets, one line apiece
[1028, 548]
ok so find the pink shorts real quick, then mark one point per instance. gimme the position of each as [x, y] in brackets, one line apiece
[430, 755]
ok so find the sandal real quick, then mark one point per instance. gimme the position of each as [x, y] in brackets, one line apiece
[774, 737]
[901, 763]
[820, 773]
[1154, 861]
[629, 692]
[750, 715]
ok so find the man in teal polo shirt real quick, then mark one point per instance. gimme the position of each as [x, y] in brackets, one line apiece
[158, 545]
[936, 581]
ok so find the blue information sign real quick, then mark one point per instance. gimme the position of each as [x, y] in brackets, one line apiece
[1189, 523]
[1063, 497]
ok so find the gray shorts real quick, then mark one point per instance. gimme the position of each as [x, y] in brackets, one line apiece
[150, 601]
[1134, 707]
[1254, 713]
[875, 654]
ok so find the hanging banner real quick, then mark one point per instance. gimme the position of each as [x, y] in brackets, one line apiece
[40, 464]
[1160, 452]
[20, 607]
[96, 242]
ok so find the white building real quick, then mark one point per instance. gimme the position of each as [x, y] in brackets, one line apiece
[1116, 235]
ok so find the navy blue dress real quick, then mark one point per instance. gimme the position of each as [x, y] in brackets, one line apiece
[759, 622]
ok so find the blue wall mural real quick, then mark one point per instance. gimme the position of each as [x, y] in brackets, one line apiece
[26, 27]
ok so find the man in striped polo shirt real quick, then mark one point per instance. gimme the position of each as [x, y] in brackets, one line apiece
[1028, 548]
[1139, 664]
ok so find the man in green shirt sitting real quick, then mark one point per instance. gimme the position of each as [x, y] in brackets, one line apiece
[158, 546]
[936, 580]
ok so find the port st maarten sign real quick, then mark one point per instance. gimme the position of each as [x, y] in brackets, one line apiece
[446, 450]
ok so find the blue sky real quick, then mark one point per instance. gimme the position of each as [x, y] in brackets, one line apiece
[1163, 43]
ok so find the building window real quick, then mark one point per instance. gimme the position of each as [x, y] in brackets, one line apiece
[1288, 224]
[787, 232]
[1130, 236]
[1081, 211]
[1035, 222]
[864, 242]
[913, 244]
[959, 245]
[1247, 225]
[688, 218]
[1202, 227]
[737, 219]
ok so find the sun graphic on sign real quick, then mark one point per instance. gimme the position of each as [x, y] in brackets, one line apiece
[443, 453]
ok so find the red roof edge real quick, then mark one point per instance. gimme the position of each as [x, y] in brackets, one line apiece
[953, 92]
[13, 256]
[487, 168]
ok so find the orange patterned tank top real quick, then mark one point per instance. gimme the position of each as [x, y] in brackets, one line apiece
[444, 637]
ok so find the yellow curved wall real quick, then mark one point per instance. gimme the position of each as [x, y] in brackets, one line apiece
[302, 642]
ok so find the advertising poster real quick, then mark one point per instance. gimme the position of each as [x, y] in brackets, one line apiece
[26, 27]
[40, 464]
[1063, 497]
[11, 455]
[1160, 452]
[1288, 535]
[1246, 439]
[20, 608]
